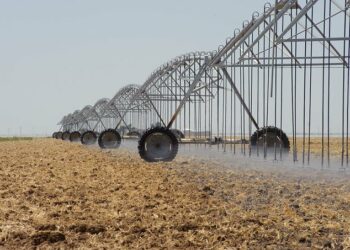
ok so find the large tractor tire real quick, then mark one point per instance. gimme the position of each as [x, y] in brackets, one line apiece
[88, 138]
[269, 136]
[59, 135]
[109, 139]
[65, 136]
[75, 136]
[158, 144]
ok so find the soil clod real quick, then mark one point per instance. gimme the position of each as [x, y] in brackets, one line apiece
[51, 237]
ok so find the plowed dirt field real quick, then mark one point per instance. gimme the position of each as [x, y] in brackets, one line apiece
[56, 194]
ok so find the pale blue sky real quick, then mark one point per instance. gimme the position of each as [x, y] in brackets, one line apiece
[57, 56]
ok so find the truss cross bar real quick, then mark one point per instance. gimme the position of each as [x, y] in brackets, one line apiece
[240, 98]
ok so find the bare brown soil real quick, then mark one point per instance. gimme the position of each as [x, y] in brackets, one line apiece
[55, 194]
[3, 139]
[335, 146]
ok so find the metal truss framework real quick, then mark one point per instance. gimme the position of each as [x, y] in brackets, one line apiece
[286, 68]
[106, 113]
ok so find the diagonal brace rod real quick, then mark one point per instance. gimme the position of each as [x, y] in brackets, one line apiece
[228, 77]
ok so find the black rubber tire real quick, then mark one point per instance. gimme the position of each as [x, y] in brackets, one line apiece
[143, 148]
[88, 138]
[65, 136]
[54, 135]
[272, 130]
[111, 132]
[59, 135]
[75, 136]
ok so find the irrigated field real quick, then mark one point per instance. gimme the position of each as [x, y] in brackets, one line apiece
[62, 195]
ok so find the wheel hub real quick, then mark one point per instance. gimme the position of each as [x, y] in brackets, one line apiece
[89, 138]
[65, 136]
[158, 146]
[75, 137]
[109, 139]
[269, 139]
[59, 135]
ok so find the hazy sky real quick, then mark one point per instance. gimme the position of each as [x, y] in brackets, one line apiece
[57, 56]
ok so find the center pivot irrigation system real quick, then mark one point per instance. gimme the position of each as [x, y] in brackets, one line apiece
[286, 71]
